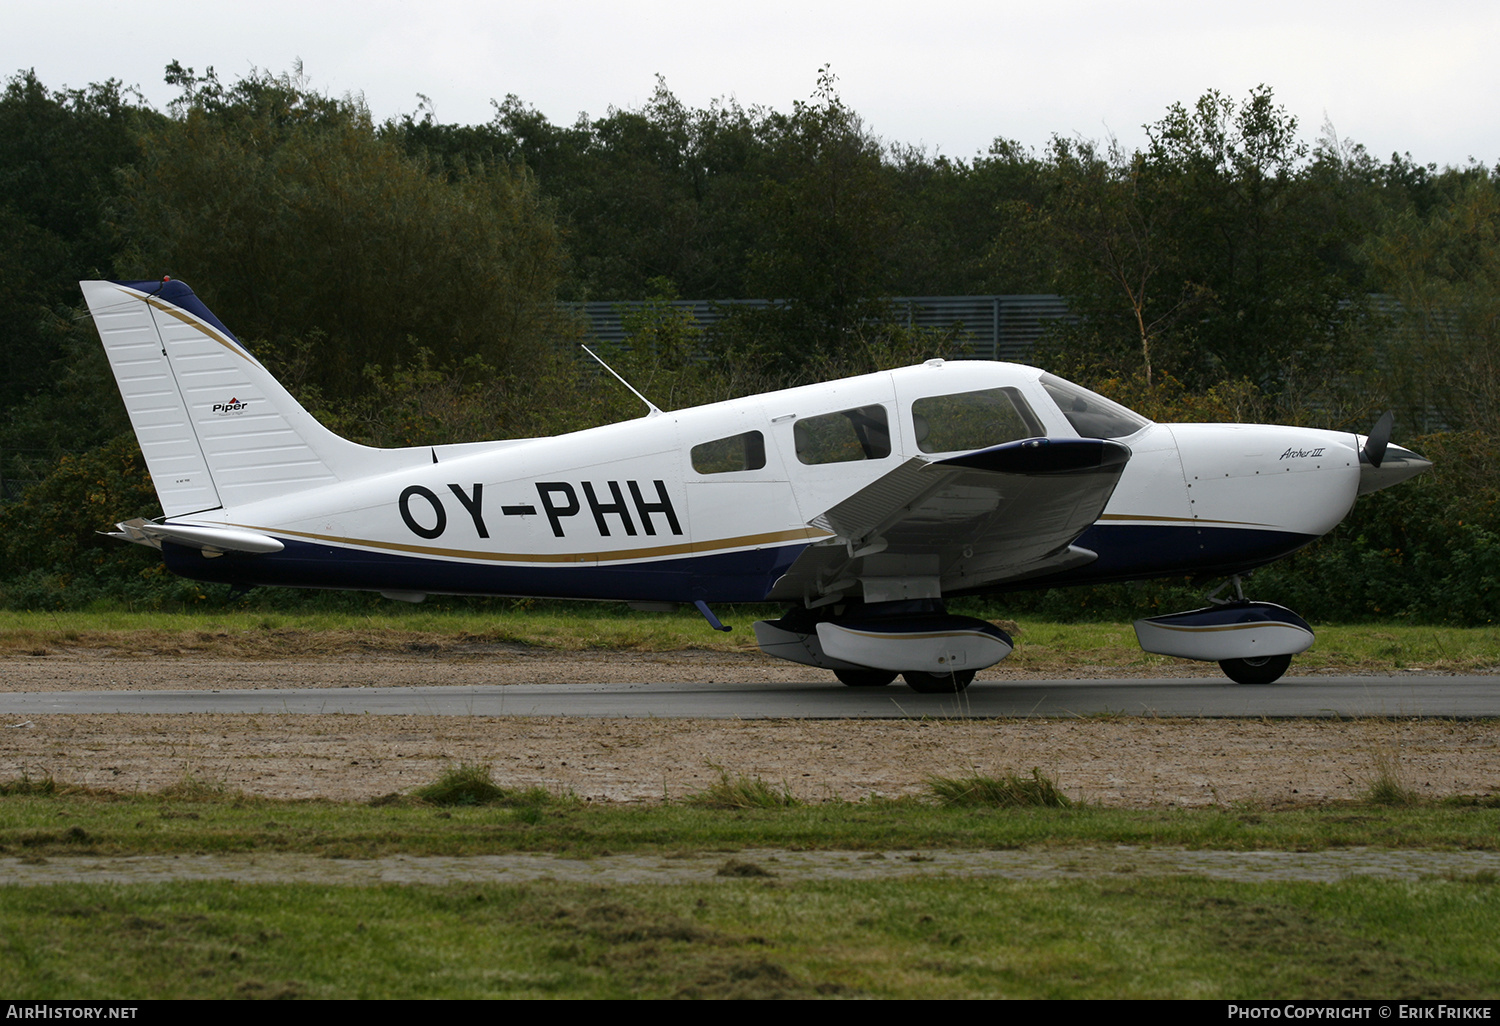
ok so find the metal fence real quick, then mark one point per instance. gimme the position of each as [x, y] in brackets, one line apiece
[996, 327]
[22, 468]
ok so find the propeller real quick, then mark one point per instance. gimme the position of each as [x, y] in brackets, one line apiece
[1378, 438]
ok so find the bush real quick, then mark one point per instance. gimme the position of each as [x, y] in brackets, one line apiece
[468, 784]
[739, 792]
[1007, 792]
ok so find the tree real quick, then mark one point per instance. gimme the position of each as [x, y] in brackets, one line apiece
[655, 192]
[58, 154]
[1443, 271]
[827, 227]
[662, 199]
[289, 212]
[953, 215]
[1113, 229]
[1215, 251]
[1249, 239]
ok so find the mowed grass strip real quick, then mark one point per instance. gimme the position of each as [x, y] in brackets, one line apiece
[83, 824]
[1042, 648]
[756, 938]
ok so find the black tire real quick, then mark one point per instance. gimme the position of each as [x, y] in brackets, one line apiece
[1265, 670]
[938, 683]
[864, 678]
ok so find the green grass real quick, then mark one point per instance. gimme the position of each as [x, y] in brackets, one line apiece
[471, 785]
[1387, 783]
[741, 792]
[744, 933]
[1042, 647]
[62, 824]
[395, 629]
[1006, 792]
[26, 784]
[1131, 937]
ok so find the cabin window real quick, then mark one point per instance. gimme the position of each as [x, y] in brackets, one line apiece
[1092, 415]
[727, 455]
[843, 437]
[972, 420]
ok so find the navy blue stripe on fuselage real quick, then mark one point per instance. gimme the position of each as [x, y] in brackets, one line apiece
[1126, 552]
[1133, 552]
[744, 576]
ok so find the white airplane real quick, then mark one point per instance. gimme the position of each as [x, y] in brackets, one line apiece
[861, 504]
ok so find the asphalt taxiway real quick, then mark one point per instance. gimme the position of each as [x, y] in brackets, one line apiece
[1393, 696]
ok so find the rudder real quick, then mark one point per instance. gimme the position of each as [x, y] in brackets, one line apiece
[216, 429]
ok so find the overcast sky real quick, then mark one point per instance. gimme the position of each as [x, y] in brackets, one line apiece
[946, 74]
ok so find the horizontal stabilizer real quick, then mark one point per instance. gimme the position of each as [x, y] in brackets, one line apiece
[193, 536]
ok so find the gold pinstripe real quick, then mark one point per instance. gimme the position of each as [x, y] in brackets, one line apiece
[681, 548]
[1227, 627]
[1180, 520]
[189, 320]
[930, 634]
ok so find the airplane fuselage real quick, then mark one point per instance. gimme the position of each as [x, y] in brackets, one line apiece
[622, 512]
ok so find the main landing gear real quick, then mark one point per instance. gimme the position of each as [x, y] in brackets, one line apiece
[938, 683]
[869, 646]
[864, 678]
[917, 680]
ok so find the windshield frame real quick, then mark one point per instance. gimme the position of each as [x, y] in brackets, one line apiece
[1125, 421]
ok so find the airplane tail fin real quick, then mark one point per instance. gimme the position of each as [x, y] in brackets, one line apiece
[217, 430]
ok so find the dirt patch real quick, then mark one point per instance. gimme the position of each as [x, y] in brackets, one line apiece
[1139, 764]
[1119, 762]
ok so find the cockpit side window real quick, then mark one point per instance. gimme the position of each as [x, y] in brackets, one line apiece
[859, 434]
[1092, 415]
[966, 421]
[727, 455]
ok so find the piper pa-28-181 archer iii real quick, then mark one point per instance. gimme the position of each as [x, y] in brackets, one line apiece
[862, 504]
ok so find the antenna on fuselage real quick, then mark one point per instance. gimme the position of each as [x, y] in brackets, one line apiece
[649, 404]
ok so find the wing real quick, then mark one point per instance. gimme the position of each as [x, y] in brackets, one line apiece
[983, 518]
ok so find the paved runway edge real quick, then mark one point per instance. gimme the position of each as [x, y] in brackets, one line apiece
[1394, 697]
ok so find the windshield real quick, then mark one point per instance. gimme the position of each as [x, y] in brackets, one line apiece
[1092, 415]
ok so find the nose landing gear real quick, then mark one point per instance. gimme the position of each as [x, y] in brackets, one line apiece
[1253, 642]
[1262, 670]
[938, 683]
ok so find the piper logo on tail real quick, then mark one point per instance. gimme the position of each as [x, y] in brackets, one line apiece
[233, 408]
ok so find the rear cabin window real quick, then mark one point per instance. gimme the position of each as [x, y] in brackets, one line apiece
[972, 420]
[727, 455]
[843, 437]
